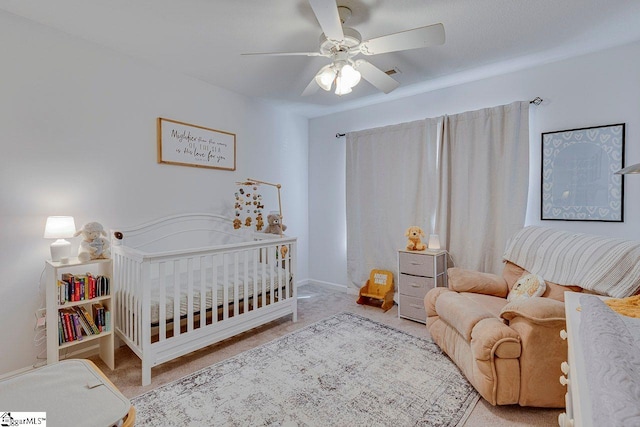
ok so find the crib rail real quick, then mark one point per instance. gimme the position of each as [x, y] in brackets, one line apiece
[170, 303]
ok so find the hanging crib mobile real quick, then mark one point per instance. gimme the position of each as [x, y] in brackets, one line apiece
[248, 206]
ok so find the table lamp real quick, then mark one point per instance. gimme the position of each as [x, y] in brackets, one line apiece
[60, 227]
[434, 241]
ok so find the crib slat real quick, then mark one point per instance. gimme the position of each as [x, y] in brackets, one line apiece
[255, 279]
[176, 298]
[162, 305]
[215, 303]
[225, 288]
[203, 292]
[190, 294]
[279, 265]
[263, 276]
[274, 260]
[132, 301]
[127, 273]
[135, 278]
[236, 279]
[245, 281]
[286, 271]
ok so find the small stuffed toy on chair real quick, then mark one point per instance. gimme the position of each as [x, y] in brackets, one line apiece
[415, 244]
[94, 243]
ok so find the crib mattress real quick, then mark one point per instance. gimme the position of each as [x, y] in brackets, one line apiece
[214, 290]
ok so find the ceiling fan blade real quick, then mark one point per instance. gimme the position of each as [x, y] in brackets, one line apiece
[311, 88]
[376, 76]
[283, 54]
[326, 12]
[430, 35]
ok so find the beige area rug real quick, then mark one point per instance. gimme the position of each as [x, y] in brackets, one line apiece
[345, 370]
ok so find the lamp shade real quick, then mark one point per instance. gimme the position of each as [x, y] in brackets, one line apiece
[629, 169]
[342, 88]
[326, 76]
[350, 75]
[434, 241]
[59, 227]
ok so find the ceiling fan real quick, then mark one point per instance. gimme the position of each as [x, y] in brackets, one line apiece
[342, 44]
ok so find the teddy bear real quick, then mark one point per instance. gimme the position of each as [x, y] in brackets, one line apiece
[415, 244]
[94, 243]
[275, 224]
[237, 223]
[259, 222]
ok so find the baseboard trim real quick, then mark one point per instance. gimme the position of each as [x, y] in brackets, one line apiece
[334, 286]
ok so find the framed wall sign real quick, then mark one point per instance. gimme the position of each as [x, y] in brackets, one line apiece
[578, 180]
[191, 145]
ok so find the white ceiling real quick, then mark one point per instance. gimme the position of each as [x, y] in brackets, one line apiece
[204, 38]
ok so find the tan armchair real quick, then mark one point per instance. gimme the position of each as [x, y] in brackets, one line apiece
[510, 352]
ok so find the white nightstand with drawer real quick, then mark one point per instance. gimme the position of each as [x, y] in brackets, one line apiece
[419, 271]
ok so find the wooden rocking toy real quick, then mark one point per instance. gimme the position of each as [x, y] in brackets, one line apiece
[378, 291]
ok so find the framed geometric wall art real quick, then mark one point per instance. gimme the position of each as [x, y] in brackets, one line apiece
[578, 180]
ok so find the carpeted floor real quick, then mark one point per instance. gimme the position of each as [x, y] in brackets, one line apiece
[315, 303]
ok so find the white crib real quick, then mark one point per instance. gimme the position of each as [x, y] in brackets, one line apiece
[196, 271]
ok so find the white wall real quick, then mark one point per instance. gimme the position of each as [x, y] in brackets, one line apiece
[78, 137]
[596, 89]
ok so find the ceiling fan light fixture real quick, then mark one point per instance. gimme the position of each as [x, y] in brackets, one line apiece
[350, 76]
[342, 87]
[326, 76]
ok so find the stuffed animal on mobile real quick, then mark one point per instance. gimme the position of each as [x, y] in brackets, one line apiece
[275, 224]
[415, 244]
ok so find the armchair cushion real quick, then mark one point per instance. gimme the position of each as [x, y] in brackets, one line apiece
[447, 306]
[461, 280]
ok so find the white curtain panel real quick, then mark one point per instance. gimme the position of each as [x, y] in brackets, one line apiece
[391, 185]
[484, 183]
[464, 177]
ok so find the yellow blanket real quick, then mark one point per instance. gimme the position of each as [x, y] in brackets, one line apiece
[629, 306]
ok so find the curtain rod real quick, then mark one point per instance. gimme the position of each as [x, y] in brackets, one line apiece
[536, 101]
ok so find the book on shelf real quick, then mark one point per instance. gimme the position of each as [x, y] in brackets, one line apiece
[83, 321]
[91, 286]
[66, 325]
[73, 288]
[98, 315]
[77, 328]
[90, 319]
[62, 333]
[107, 320]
